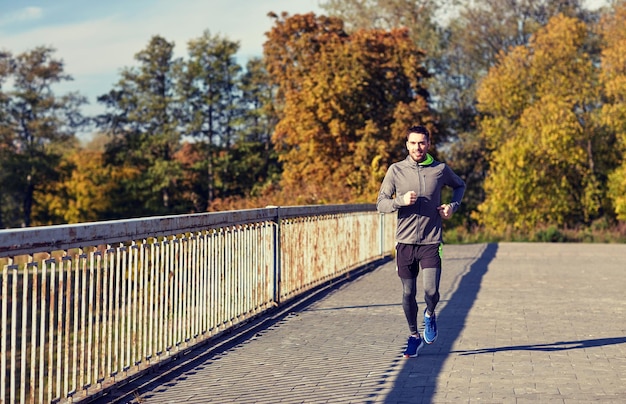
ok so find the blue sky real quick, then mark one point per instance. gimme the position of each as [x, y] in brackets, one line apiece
[96, 39]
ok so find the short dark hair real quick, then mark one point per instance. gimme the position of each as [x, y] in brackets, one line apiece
[417, 129]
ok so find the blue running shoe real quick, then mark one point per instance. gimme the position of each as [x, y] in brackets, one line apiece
[430, 328]
[413, 346]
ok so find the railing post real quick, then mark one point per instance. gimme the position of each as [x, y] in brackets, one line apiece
[382, 233]
[4, 322]
[277, 256]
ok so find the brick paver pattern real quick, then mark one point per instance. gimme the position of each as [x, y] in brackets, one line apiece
[518, 323]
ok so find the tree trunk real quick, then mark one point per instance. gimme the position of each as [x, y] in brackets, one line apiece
[166, 198]
[211, 190]
[28, 201]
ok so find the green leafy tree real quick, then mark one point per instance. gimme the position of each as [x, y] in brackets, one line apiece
[252, 160]
[7, 202]
[143, 120]
[258, 156]
[208, 88]
[539, 105]
[36, 129]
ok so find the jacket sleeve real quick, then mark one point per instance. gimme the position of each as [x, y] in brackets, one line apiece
[458, 187]
[386, 202]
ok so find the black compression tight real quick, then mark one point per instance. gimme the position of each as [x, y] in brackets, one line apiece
[431, 278]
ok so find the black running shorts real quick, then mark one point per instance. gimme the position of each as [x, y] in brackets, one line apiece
[410, 257]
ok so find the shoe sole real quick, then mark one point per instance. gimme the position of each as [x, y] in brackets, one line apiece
[429, 342]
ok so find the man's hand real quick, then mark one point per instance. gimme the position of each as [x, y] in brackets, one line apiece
[409, 198]
[445, 211]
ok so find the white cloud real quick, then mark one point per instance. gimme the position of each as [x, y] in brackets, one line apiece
[21, 15]
[594, 4]
[90, 47]
[29, 13]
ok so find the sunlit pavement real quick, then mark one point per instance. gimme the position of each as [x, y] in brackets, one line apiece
[518, 322]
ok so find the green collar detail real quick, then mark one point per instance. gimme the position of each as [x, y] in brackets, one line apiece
[427, 161]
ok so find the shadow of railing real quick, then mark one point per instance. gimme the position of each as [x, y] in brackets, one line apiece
[160, 378]
[421, 373]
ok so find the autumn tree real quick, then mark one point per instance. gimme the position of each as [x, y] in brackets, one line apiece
[538, 105]
[142, 118]
[419, 17]
[192, 184]
[614, 110]
[37, 127]
[462, 40]
[87, 189]
[344, 103]
[471, 42]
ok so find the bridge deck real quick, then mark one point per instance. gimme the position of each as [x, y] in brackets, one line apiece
[517, 323]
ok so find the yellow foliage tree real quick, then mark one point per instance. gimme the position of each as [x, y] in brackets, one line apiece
[86, 191]
[614, 111]
[538, 123]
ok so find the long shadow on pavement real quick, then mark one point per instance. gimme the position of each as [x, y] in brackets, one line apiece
[417, 380]
[552, 347]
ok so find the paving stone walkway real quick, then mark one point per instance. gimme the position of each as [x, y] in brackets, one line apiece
[518, 323]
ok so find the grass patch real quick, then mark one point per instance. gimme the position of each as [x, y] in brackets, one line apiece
[597, 232]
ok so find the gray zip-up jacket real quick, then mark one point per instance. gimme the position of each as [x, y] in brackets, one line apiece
[419, 223]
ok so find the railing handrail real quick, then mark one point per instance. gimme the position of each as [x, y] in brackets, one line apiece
[60, 237]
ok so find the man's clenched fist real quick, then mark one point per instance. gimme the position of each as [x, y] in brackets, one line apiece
[409, 198]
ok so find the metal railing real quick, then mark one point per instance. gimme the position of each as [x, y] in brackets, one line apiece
[89, 305]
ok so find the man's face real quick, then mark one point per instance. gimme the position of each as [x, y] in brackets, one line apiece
[418, 146]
